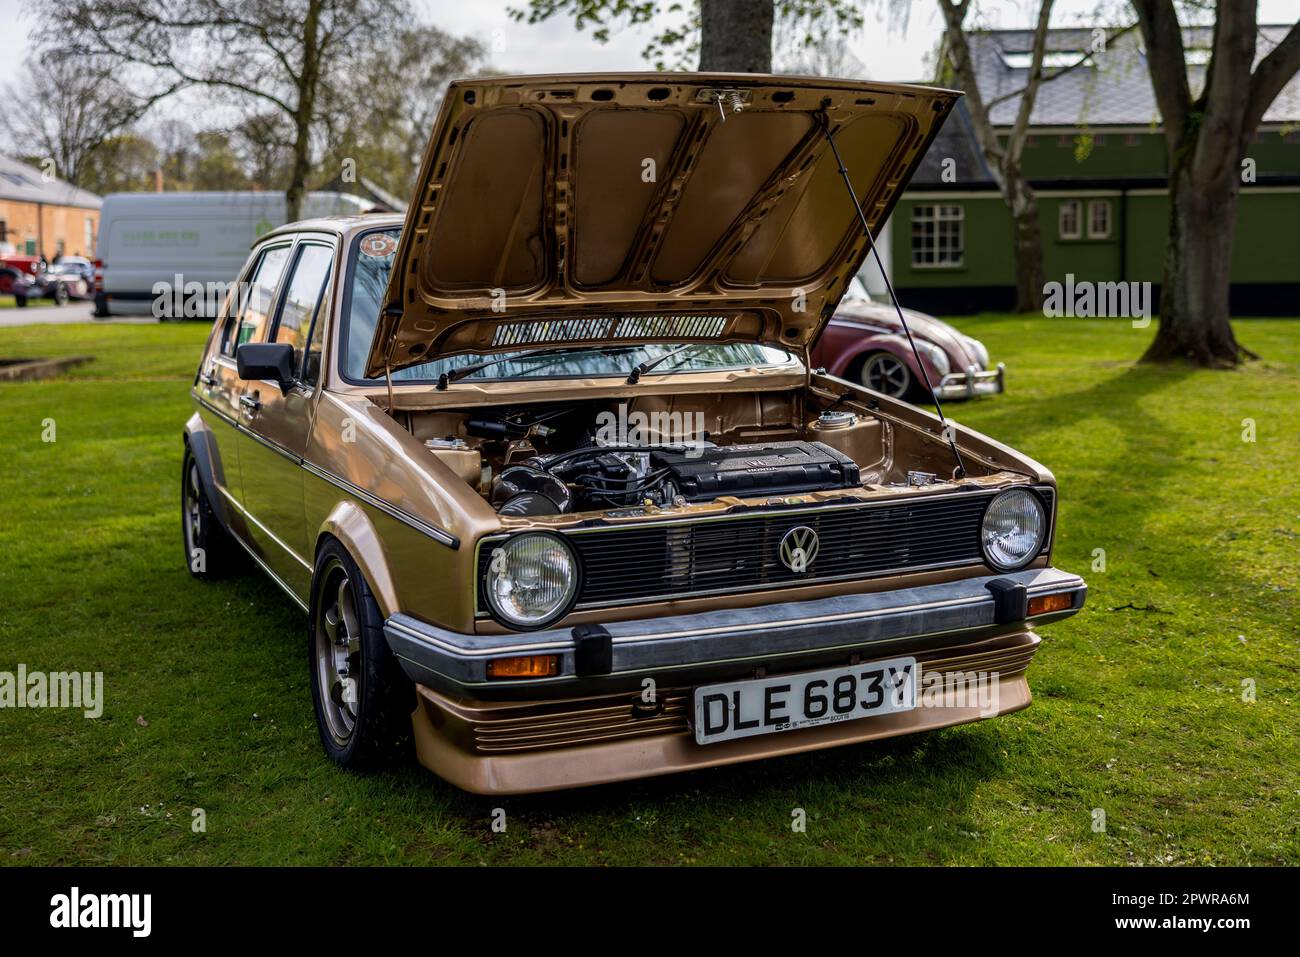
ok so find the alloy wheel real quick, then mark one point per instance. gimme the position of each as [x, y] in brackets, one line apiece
[193, 512]
[338, 652]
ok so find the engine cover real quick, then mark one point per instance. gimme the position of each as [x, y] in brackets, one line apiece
[775, 468]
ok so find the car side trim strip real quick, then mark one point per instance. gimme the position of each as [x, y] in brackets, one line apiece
[442, 536]
[273, 446]
[433, 531]
[266, 531]
[271, 573]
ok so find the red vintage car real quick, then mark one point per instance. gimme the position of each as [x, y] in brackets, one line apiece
[18, 273]
[20, 262]
[865, 343]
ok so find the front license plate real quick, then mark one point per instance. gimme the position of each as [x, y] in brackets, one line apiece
[742, 709]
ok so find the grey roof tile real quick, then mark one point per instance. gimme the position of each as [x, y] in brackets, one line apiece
[1116, 91]
[25, 184]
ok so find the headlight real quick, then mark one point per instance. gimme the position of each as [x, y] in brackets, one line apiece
[1013, 529]
[531, 579]
[938, 358]
[981, 353]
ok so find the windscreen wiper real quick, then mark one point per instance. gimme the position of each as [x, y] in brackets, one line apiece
[948, 433]
[455, 375]
[634, 376]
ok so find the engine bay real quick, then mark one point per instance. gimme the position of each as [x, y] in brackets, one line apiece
[669, 450]
[599, 476]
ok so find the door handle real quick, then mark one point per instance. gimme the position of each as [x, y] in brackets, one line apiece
[208, 379]
[250, 402]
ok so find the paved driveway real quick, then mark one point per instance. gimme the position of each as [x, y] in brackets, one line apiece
[74, 311]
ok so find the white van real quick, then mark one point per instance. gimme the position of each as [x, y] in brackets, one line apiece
[150, 238]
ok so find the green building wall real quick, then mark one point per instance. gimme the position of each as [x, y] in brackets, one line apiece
[1088, 155]
[1265, 262]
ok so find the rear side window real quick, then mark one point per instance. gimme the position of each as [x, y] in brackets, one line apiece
[311, 368]
[306, 286]
[256, 302]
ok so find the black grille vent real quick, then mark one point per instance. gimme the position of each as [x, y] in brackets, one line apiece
[641, 563]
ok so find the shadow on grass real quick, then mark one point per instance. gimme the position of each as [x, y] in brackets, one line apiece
[897, 786]
[1116, 402]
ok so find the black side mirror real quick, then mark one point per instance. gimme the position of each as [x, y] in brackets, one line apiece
[266, 360]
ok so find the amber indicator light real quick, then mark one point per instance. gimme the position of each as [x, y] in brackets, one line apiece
[1041, 605]
[524, 666]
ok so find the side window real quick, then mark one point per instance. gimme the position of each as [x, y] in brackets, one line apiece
[1071, 226]
[1099, 219]
[311, 367]
[250, 320]
[232, 304]
[311, 271]
[937, 236]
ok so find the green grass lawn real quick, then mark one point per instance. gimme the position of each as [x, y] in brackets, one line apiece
[1138, 711]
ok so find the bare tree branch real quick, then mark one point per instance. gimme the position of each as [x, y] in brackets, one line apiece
[296, 56]
[1274, 72]
[1020, 130]
[1084, 60]
[954, 15]
[1167, 62]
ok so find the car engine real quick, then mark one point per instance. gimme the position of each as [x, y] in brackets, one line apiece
[599, 476]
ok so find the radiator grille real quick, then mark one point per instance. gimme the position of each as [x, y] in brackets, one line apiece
[649, 562]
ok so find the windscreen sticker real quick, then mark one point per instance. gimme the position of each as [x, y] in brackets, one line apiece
[378, 245]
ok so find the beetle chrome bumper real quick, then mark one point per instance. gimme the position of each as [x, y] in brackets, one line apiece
[728, 640]
[973, 382]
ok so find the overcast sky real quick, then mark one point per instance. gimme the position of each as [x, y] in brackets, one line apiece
[884, 53]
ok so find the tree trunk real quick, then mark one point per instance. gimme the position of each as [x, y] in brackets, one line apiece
[1194, 290]
[1028, 242]
[736, 36]
[308, 80]
[298, 173]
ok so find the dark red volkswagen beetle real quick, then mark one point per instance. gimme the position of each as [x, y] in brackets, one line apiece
[864, 342]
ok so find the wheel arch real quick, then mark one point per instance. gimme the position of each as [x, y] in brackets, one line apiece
[198, 442]
[351, 527]
[895, 346]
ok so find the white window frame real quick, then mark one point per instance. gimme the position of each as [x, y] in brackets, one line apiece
[939, 215]
[1077, 232]
[1094, 204]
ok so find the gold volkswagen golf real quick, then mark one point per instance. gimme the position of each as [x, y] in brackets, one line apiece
[546, 465]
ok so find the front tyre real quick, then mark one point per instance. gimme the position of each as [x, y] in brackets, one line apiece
[362, 698]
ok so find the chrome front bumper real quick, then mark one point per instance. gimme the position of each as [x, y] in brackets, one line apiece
[727, 640]
[973, 382]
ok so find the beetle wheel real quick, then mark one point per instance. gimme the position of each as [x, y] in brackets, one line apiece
[885, 372]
